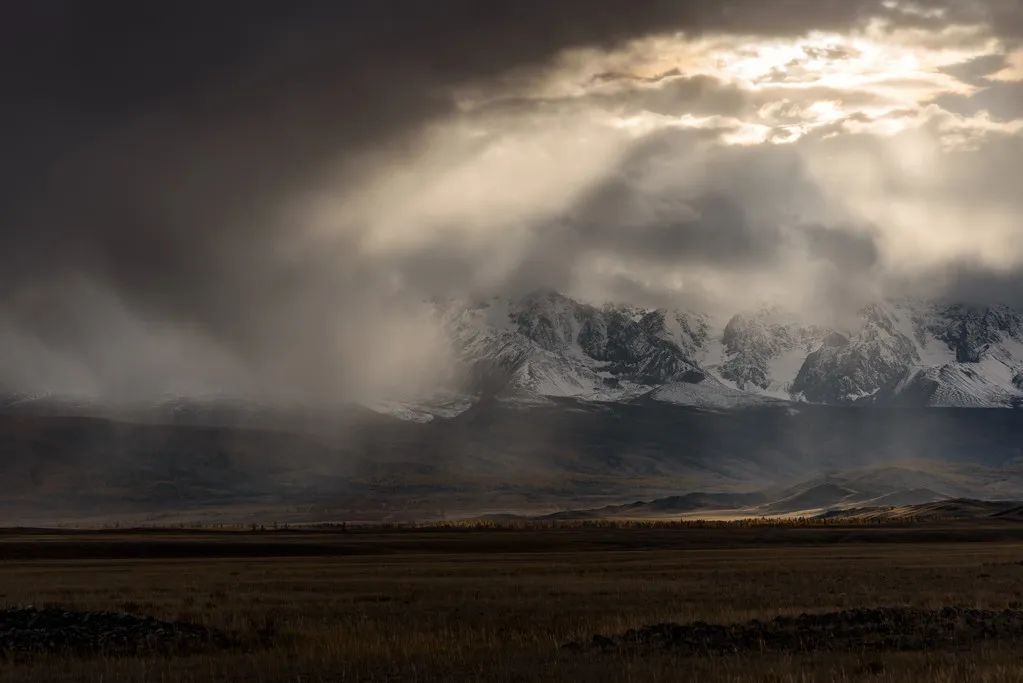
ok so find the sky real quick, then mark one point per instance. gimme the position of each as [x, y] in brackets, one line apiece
[255, 198]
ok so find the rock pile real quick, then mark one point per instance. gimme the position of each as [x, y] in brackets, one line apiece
[26, 631]
[889, 628]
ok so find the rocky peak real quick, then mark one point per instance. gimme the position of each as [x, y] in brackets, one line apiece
[752, 341]
[971, 330]
[849, 368]
[549, 344]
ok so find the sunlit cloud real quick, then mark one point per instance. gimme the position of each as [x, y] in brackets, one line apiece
[871, 76]
[868, 150]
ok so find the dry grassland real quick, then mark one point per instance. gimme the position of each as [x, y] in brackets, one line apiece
[500, 605]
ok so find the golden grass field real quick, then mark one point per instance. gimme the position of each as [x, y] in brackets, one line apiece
[492, 605]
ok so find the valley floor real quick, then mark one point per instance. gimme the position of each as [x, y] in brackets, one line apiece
[501, 605]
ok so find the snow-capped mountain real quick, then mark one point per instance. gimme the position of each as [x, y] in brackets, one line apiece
[762, 352]
[547, 345]
[968, 356]
[848, 366]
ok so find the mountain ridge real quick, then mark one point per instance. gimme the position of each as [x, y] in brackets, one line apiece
[899, 352]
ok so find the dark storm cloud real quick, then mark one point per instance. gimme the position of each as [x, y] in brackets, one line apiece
[735, 212]
[151, 148]
[976, 71]
[971, 282]
[154, 151]
[710, 229]
[1002, 16]
[613, 76]
[851, 251]
[649, 210]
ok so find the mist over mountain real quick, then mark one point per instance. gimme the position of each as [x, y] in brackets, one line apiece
[558, 405]
[893, 353]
